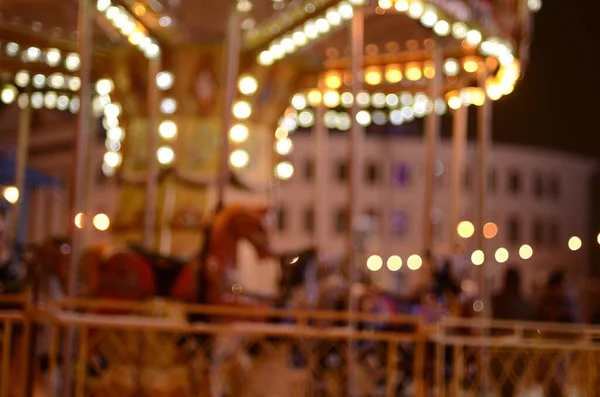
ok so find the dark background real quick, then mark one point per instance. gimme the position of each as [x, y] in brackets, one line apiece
[557, 104]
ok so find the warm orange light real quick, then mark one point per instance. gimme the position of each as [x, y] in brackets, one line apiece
[471, 66]
[79, 220]
[490, 230]
[393, 74]
[413, 72]
[477, 97]
[429, 71]
[139, 10]
[333, 80]
[373, 77]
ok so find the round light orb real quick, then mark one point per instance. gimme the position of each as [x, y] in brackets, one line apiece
[165, 155]
[385, 4]
[288, 123]
[525, 252]
[334, 17]
[104, 86]
[165, 80]
[378, 100]
[113, 159]
[454, 103]
[598, 238]
[152, 51]
[501, 255]
[322, 25]
[343, 122]
[363, 99]
[459, 30]
[72, 62]
[394, 263]
[333, 81]
[474, 37]
[56, 80]
[50, 100]
[393, 74]
[265, 58]
[239, 158]
[416, 9]
[242, 110]
[9, 94]
[363, 118]
[451, 67]
[477, 258]
[575, 243]
[299, 38]
[22, 78]
[167, 129]
[108, 170]
[247, 85]
[331, 99]
[379, 117]
[347, 99]
[101, 222]
[284, 146]
[11, 194]
[442, 28]
[314, 97]
[374, 263]
[39, 80]
[53, 57]
[74, 104]
[429, 17]
[346, 11]
[401, 5]
[62, 103]
[78, 220]
[396, 117]
[281, 133]
[284, 170]
[115, 134]
[373, 77]
[112, 110]
[306, 118]
[490, 230]
[288, 44]
[392, 100]
[478, 306]
[102, 5]
[168, 106]
[299, 101]
[165, 21]
[534, 5]
[239, 133]
[413, 73]
[37, 100]
[465, 229]
[414, 262]
[33, 54]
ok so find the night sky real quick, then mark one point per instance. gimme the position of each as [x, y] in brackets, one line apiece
[557, 104]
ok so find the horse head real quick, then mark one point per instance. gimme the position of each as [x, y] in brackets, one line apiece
[243, 222]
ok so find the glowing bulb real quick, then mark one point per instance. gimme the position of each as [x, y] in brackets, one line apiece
[525, 252]
[247, 85]
[373, 77]
[72, 62]
[501, 255]
[401, 5]
[465, 229]
[11, 194]
[79, 220]
[333, 81]
[394, 263]
[299, 101]
[167, 129]
[284, 170]
[490, 230]
[113, 159]
[575, 243]
[284, 146]
[363, 118]
[414, 262]
[22, 78]
[374, 263]
[331, 99]
[8, 94]
[459, 30]
[477, 258]
[239, 158]
[242, 110]
[168, 106]
[442, 28]
[165, 155]
[239, 133]
[474, 37]
[165, 80]
[451, 67]
[115, 134]
[314, 98]
[265, 58]
[101, 222]
[104, 86]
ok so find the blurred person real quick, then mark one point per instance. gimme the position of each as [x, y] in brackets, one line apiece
[510, 304]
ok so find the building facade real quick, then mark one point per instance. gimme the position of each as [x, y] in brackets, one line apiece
[537, 197]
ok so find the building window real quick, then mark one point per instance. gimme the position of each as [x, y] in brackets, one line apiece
[555, 187]
[554, 234]
[281, 219]
[514, 230]
[538, 232]
[401, 175]
[514, 182]
[309, 170]
[538, 186]
[309, 220]
[492, 176]
[372, 173]
[342, 171]
[374, 220]
[399, 222]
[341, 221]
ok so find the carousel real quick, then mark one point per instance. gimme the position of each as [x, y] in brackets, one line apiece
[198, 103]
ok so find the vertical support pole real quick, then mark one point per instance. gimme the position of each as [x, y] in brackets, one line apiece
[79, 204]
[355, 167]
[321, 137]
[232, 61]
[484, 136]
[432, 136]
[457, 169]
[24, 132]
[154, 66]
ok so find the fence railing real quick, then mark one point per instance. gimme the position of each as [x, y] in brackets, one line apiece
[151, 349]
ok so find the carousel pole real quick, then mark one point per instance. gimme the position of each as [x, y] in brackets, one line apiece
[232, 61]
[24, 131]
[82, 137]
[154, 67]
[432, 137]
[459, 146]
[320, 199]
[355, 166]
[484, 136]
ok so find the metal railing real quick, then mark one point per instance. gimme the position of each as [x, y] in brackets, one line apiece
[150, 349]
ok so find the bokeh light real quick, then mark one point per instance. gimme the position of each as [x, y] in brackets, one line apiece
[394, 263]
[525, 252]
[501, 255]
[414, 262]
[490, 230]
[101, 222]
[465, 229]
[374, 263]
[478, 257]
[575, 243]
[11, 194]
